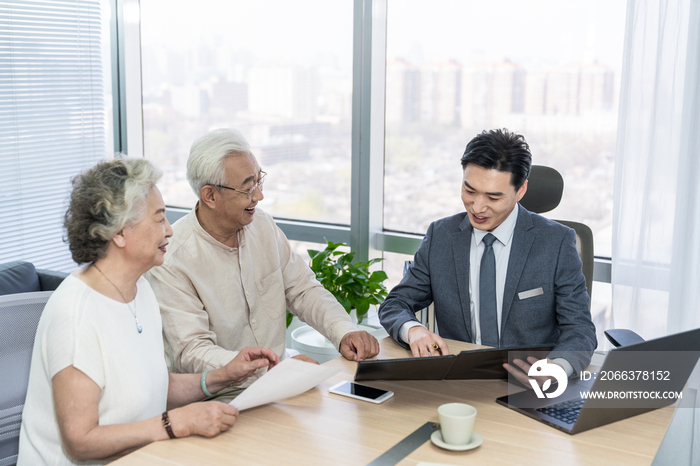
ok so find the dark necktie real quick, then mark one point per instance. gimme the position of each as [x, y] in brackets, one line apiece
[487, 294]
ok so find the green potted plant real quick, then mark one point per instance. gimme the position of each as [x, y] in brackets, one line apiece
[352, 284]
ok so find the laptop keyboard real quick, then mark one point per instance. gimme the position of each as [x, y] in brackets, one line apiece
[566, 412]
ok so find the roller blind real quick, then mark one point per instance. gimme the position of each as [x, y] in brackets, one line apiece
[52, 120]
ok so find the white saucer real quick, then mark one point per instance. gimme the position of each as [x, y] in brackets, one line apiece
[476, 440]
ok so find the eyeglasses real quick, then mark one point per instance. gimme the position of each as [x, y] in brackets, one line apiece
[249, 192]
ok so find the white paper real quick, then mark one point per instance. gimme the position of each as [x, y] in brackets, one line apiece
[288, 378]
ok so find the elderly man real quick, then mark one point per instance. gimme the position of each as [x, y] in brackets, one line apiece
[229, 273]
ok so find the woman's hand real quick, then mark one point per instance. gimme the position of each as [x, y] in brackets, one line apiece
[77, 398]
[208, 419]
[186, 388]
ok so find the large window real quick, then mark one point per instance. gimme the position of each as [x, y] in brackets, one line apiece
[547, 69]
[55, 119]
[279, 71]
[283, 72]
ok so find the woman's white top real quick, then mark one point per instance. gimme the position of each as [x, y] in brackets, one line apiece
[97, 335]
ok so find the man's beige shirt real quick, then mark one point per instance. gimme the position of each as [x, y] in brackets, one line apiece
[216, 300]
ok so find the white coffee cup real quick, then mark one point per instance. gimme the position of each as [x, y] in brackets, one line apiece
[456, 423]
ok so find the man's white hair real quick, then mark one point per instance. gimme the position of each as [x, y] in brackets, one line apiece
[208, 154]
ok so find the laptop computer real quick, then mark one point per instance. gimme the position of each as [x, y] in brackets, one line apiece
[650, 373]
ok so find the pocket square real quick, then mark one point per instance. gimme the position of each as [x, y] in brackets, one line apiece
[530, 293]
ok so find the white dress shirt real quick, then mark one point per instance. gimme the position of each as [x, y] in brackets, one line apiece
[501, 252]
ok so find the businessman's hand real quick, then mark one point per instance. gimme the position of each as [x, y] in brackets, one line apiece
[522, 368]
[423, 342]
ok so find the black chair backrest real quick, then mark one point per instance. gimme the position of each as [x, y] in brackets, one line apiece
[584, 246]
[544, 189]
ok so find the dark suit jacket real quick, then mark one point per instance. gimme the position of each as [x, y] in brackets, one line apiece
[543, 255]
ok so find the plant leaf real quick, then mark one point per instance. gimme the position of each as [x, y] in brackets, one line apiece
[352, 284]
[378, 276]
[362, 306]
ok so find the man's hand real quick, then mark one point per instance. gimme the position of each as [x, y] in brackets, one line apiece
[357, 346]
[520, 372]
[305, 358]
[247, 361]
[423, 342]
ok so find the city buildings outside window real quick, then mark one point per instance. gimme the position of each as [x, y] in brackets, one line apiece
[546, 69]
[279, 71]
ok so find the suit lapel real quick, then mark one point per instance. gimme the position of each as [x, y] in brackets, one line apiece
[519, 251]
[461, 244]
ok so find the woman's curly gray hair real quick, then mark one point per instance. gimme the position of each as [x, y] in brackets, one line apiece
[105, 199]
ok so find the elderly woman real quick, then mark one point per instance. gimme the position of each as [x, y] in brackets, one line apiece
[98, 384]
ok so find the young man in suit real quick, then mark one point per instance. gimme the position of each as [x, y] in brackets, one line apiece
[498, 274]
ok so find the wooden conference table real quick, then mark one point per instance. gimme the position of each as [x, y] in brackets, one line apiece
[317, 428]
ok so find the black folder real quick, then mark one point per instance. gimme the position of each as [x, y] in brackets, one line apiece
[475, 364]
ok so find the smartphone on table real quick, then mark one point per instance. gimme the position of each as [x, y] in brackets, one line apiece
[361, 392]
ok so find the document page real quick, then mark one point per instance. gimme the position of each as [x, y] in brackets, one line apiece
[288, 378]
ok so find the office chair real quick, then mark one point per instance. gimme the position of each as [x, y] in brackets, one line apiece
[19, 318]
[622, 337]
[544, 190]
